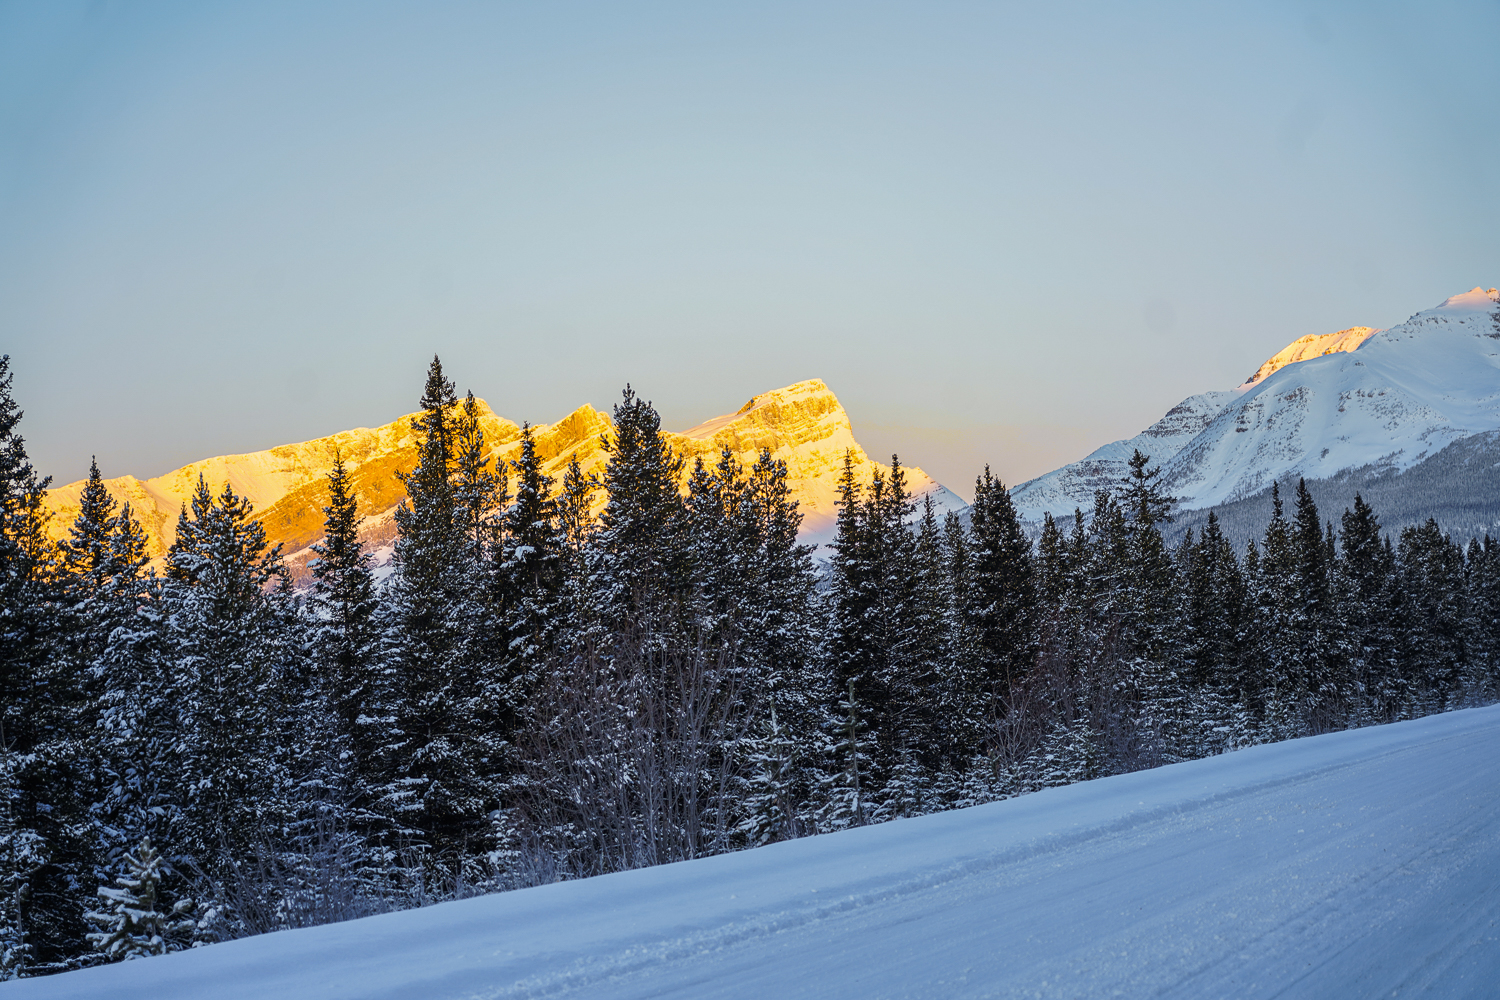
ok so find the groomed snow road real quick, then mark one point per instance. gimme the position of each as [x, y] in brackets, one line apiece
[1358, 864]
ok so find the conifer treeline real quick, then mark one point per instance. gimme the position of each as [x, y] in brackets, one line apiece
[537, 694]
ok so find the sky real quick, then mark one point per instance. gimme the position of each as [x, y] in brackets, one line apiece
[1001, 233]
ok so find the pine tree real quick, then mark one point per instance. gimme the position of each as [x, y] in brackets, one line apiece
[966, 734]
[1002, 598]
[45, 765]
[1431, 570]
[344, 597]
[778, 634]
[1482, 563]
[576, 527]
[531, 572]
[86, 556]
[1183, 622]
[134, 926]
[850, 587]
[1278, 673]
[229, 638]
[1366, 580]
[135, 710]
[1152, 574]
[926, 739]
[643, 568]
[343, 830]
[770, 806]
[445, 744]
[480, 494]
[1321, 654]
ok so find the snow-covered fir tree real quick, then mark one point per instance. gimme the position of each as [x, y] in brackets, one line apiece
[133, 923]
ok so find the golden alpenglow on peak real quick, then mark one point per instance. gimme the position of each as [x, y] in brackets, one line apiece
[1313, 346]
[803, 424]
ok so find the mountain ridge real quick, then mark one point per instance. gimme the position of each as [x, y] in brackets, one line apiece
[1383, 400]
[803, 423]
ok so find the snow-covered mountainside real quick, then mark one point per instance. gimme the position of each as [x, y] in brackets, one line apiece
[1380, 400]
[1356, 864]
[802, 423]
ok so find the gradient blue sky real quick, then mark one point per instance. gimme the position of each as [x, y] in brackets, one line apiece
[1002, 233]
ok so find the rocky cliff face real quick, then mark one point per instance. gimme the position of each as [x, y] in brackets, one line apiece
[803, 424]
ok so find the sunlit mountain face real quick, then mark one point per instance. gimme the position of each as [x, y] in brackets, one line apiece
[802, 424]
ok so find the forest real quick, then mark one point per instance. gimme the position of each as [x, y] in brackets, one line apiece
[545, 688]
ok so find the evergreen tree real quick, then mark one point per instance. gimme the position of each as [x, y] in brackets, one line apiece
[445, 748]
[927, 650]
[643, 568]
[1367, 581]
[1482, 563]
[480, 493]
[850, 588]
[1431, 569]
[1321, 654]
[86, 554]
[1152, 575]
[352, 697]
[1278, 673]
[531, 577]
[1002, 598]
[45, 779]
[134, 926]
[229, 637]
[771, 795]
[137, 710]
[343, 595]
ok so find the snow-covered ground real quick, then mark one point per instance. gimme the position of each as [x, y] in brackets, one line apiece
[1358, 864]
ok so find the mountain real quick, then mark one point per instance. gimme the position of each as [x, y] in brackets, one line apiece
[804, 424]
[1411, 410]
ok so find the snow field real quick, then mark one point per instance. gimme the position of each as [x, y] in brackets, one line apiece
[1362, 863]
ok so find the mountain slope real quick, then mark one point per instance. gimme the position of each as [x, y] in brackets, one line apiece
[1381, 400]
[1359, 863]
[802, 423]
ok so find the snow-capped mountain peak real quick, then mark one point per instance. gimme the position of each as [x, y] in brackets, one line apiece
[1475, 300]
[1359, 398]
[1312, 346]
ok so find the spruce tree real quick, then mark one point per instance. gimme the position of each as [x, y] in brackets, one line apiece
[353, 696]
[231, 635]
[1431, 569]
[643, 567]
[136, 710]
[1151, 571]
[343, 594]
[1366, 581]
[45, 765]
[1279, 676]
[1322, 655]
[444, 740]
[530, 577]
[480, 493]
[86, 552]
[1002, 598]
[134, 925]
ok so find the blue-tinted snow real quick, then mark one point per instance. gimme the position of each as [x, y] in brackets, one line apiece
[1363, 863]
